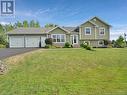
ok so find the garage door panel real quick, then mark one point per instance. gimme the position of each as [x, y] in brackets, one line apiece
[32, 41]
[16, 41]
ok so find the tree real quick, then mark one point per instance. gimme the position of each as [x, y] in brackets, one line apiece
[18, 24]
[37, 24]
[25, 23]
[9, 27]
[32, 23]
[1, 28]
[50, 25]
[3, 39]
[120, 43]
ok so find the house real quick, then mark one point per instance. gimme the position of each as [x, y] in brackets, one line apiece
[93, 32]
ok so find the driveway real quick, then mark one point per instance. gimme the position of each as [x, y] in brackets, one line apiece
[8, 52]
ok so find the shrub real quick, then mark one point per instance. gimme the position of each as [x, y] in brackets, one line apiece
[106, 42]
[88, 48]
[48, 41]
[67, 45]
[83, 45]
[48, 46]
[2, 40]
[2, 46]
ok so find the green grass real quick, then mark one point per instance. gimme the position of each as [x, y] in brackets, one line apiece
[68, 72]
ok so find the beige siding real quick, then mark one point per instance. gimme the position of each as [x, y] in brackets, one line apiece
[101, 24]
[82, 29]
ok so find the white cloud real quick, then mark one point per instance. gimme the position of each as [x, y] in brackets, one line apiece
[31, 13]
[4, 23]
[116, 31]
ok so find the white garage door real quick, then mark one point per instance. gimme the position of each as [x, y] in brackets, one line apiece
[32, 41]
[16, 41]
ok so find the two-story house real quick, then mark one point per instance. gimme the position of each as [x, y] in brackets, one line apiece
[93, 31]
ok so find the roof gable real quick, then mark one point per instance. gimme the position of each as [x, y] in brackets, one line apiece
[94, 18]
[59, 28]
[89, 22]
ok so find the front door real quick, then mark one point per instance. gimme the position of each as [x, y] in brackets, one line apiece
[74, 39]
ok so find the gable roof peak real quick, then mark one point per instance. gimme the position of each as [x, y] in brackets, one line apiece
[96, 17]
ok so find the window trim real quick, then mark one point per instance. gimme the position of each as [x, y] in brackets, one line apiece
[85, 30]
[60, 38]
[100, 31]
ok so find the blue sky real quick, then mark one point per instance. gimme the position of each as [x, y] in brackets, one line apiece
[72, 12]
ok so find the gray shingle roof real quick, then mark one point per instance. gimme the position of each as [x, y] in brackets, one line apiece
[71, 29]
[38, 30]
[30, 31]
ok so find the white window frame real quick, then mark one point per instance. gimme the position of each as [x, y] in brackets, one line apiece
[100, 44]
[100, 31]
[87, 28]
[73, 39]
[60, 38]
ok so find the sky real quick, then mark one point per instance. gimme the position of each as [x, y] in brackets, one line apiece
[72, 13]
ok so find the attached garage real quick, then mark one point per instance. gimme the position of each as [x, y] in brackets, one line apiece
[27, 37]
[26, 41]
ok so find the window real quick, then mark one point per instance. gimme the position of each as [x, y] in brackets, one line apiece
[62, 38]
[102, 31]
[100, 43]
[54, 38]
[58, 38]
[87, 30]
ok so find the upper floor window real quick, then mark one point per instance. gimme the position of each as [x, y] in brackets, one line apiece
[87, 30]
[58, 38]
[101, 31]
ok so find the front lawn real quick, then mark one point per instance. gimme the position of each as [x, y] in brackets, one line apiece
[67, 72]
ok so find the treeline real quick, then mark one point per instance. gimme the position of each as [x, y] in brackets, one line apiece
[26, 24]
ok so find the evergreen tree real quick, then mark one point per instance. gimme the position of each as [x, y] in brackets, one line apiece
[25, 23]
[18, 24]
[32, 23]
[37, 24]
[50, 25]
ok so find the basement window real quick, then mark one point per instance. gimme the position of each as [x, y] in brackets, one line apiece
[100, 43]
